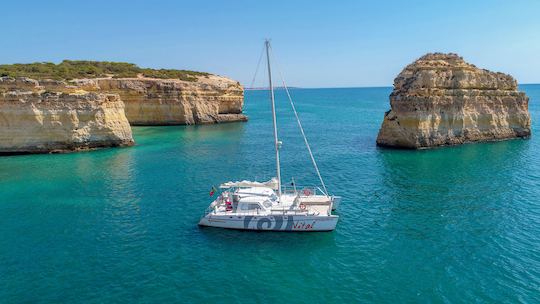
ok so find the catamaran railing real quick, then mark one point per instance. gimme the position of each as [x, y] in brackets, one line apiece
[213, 208]
[303, 191]
[272, 212]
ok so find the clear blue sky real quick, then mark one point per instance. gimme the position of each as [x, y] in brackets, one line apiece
[318, 43]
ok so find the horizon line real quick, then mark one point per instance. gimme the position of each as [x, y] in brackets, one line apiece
[346, 87]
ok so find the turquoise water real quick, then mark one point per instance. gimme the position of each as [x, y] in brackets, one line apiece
[459, 224]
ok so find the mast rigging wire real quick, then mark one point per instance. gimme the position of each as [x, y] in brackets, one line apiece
[298, 121]
[257, 69]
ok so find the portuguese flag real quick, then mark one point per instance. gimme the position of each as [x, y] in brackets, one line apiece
[212, 191]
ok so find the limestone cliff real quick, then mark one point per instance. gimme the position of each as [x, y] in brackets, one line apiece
[151, 96]
[73, 105]
[151, 101]
[34, 120]
[442, 100]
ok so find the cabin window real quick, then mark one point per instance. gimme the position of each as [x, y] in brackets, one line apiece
[250, 206]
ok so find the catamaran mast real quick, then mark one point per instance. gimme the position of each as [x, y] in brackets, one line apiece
[276, 142]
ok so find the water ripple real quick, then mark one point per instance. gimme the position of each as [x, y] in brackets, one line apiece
[458, 224]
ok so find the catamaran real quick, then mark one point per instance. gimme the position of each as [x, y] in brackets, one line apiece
[251, 205]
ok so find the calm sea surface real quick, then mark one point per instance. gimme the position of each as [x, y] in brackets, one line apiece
[458, 224]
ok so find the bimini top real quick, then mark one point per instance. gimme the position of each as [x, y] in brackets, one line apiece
[272, 184]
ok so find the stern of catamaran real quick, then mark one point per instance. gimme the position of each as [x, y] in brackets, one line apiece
[336, 200]
[312, 194]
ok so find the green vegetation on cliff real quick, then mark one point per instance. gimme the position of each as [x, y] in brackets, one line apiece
[71, 69]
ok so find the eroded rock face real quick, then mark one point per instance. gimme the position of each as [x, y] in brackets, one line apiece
[41, 116]
[442, 100]
[151, 101]
[210, 99]
[37, 121]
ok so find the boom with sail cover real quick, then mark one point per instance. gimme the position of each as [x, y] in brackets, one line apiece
[272, 184]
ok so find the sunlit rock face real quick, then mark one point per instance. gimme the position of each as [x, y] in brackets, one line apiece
[47, 116]
[33, 120]
[149, 101]
[442, 100]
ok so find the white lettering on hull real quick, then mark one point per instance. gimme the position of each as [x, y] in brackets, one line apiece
[272, 223]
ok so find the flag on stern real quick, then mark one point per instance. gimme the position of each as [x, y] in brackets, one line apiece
[212, 191]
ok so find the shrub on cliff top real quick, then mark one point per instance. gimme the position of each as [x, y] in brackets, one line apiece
[71, 69]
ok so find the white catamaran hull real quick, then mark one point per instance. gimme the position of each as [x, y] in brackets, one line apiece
[268, 206]
[271, 222]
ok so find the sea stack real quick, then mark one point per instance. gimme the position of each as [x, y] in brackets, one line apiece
[441, 100]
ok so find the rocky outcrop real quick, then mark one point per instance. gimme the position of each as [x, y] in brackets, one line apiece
[151, 96]
[35, 120]
[442, 100]
[50, 113]
[41, 116]
[150, 101]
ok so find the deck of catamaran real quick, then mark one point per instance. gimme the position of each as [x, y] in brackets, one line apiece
[242, 206]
